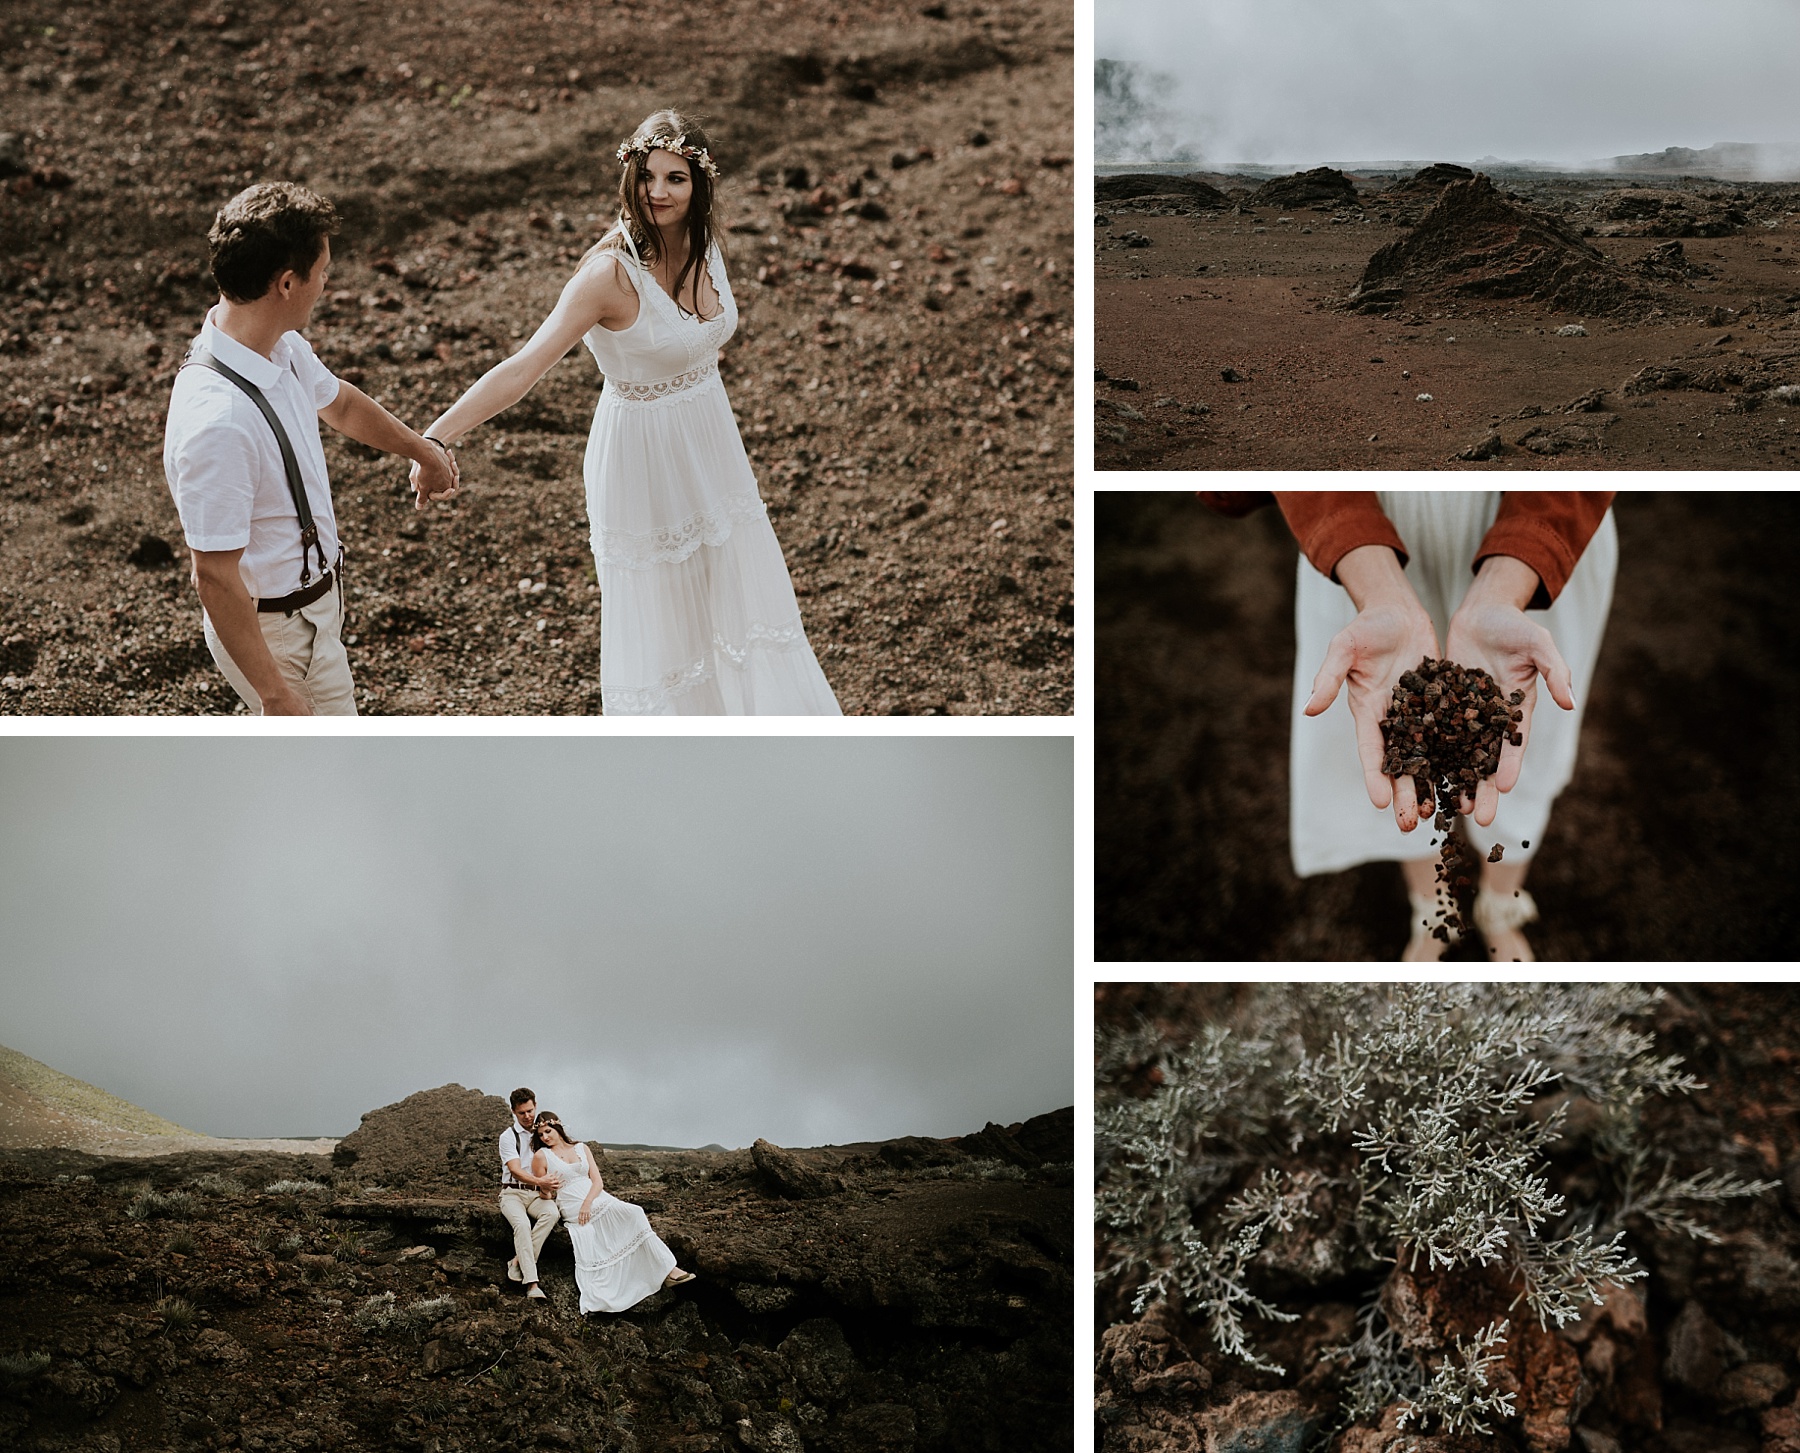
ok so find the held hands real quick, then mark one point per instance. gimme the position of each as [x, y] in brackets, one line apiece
[1491, 630]
[436, 476]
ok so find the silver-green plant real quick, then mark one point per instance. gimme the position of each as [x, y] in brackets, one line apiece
[382, 1315]
[1430, 1109]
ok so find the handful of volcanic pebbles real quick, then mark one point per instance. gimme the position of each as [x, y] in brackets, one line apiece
[1444, 729]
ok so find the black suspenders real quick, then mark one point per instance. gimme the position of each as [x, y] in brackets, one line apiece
[309, 532]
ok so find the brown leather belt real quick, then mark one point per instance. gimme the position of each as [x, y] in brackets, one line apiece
[300, 598]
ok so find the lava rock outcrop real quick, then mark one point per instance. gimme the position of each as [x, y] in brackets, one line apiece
[1131, 185]
[1479, 243]
[1323, 186]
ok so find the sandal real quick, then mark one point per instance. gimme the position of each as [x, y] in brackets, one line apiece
[1497, 914]
[677, 1278]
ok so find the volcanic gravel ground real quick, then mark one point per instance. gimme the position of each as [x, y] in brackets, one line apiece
[1324, 388]
[1654, 850]
[897, 225]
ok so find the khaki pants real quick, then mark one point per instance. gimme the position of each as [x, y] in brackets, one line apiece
[308, 647]
[533, 1218]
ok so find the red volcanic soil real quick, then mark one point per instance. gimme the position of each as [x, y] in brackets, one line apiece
[1262, 292]
[896, 216]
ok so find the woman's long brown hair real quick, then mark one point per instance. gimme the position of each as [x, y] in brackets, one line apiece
[633, 182]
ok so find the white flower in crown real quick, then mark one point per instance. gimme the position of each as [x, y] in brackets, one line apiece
[644, 145]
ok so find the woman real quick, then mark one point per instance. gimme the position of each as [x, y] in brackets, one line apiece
[619, 1260]
[698, 614]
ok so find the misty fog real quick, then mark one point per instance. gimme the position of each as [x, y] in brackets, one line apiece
[1306, 82]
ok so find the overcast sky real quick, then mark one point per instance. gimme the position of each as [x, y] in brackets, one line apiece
[673, 941]
[1309, 81]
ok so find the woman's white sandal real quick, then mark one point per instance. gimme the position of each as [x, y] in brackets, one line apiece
[1505, 913]
[1424, 919]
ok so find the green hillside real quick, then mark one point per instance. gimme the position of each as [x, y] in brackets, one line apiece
[77, 1097]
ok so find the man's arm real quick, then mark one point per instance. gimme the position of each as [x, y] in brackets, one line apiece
[227, 601]
[357, 416]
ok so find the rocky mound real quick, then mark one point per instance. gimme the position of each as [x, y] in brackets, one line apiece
[1438, 175]
[1478, 243]
[1130, 185]
[914, 1295]
[438, 1137]
[1652, 212]
[1323, 186]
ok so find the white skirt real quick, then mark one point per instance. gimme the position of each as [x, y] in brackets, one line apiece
[619, 1260]
[1331, 823]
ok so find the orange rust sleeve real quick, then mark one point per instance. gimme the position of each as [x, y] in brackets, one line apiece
[1547, 530]
[1329, 525]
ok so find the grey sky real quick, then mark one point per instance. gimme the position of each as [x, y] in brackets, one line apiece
[1308, 81]
[673, 941]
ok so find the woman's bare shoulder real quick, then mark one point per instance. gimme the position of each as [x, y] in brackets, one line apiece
[604, 270]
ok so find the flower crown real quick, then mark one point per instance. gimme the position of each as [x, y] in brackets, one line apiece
[644, 145]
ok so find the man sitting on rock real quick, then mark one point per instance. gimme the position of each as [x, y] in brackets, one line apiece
[527, 1202]
[244, 461]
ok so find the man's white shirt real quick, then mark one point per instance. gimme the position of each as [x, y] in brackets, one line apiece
[511, 1140]
[224, 466]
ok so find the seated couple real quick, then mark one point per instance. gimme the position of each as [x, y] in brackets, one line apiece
[545, 1176]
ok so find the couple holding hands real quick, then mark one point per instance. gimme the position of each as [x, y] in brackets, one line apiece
[698, 613]
[546, 1177]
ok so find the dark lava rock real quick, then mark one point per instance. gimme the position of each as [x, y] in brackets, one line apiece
[1566, 438]
[152, 552]
[1127, 185]
[442, 1137]
[1477, 243]
[787, 1176]
[911, 1151]
[1670, 263]
[1439, 174]
[1322, 185]
[1488, 448]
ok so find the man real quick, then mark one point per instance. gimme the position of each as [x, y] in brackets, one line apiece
[528, 1203]
[256, 506]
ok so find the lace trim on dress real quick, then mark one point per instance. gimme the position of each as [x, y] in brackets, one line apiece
[628, 392]
[671, 544]
[616, 1257]
[659, 700]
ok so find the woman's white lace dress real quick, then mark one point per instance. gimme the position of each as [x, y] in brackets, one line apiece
[697, 614]
[619, 1260]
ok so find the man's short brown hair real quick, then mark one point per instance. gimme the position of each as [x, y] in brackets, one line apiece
[265, 230]
[520, 1097]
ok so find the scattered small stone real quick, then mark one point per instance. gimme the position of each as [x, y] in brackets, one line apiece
[1571, 330]
[1488, 448]
[1423, 398]
[1231, 375]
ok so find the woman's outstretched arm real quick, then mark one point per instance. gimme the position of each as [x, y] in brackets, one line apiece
[598, 293]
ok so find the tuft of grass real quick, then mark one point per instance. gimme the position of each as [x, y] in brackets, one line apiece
[180, 1244]
[297, 1188]
[382, 1315]
[149, 1204]
[177, 1313]
[214, 1184]
[19, 1368]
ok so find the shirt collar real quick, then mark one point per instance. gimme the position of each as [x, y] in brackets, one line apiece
[260, 371]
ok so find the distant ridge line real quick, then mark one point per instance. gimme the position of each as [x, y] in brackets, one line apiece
[89, 1102]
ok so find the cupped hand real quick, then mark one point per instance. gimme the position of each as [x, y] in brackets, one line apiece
[1504, 642]
[1369, 656]
[586, 1212]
